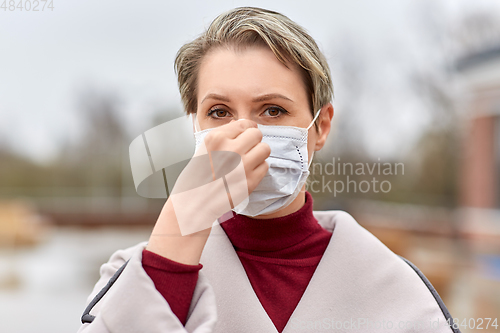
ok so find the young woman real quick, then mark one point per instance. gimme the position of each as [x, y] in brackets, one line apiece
[260, 88]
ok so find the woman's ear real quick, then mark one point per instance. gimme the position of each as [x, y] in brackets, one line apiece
[324, 125]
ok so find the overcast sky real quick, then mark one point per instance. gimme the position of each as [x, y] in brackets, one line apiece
[128, 47]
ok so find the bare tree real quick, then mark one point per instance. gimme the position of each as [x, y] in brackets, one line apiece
[102, 147]
[439, 147]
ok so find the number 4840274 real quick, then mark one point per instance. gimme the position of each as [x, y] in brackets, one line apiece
[27, 5]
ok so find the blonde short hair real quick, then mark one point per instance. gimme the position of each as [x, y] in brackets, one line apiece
[248, 26]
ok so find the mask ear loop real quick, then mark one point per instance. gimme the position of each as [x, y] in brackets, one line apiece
[308, 127]
[314, 119]
[194, 120]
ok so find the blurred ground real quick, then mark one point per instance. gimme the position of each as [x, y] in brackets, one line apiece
[43, 288]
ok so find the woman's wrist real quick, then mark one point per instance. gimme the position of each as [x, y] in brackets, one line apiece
[167, 241]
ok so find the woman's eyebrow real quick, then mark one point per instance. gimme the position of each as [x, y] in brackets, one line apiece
[256, 99]
[270, 96]
[217, 97]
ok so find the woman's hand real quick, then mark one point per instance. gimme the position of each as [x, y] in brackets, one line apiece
[199, 195]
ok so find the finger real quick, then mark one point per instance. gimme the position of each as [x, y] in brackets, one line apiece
[256, 156]
[256, 175]
[247, 140]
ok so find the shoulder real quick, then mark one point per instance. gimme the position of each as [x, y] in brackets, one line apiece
[433, 291]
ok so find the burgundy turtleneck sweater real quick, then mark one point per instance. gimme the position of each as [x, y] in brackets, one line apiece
[279, 255]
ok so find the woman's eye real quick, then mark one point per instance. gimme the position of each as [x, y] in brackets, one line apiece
[218, 113]
[274, 112]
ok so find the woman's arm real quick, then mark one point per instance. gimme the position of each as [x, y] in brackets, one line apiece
[133, 304]
[176, 282]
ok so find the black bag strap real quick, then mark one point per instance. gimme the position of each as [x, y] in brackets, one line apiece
[87, 317]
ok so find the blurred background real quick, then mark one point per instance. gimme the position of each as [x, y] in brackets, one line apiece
[417, 108]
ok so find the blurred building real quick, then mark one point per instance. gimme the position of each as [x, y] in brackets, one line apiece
[480, 167]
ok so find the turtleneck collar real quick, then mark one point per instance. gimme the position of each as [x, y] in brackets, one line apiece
[246, 233]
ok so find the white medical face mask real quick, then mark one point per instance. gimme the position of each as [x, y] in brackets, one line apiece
[288, 168]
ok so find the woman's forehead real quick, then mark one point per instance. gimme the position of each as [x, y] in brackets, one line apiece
[249, 71]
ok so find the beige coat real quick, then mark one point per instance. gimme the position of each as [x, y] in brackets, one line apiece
[358, 286]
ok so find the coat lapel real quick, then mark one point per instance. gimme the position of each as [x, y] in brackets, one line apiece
[238, 307]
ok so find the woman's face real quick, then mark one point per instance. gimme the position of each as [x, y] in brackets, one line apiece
[252, 84]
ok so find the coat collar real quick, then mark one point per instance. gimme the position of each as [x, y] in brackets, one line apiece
[275, 234]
